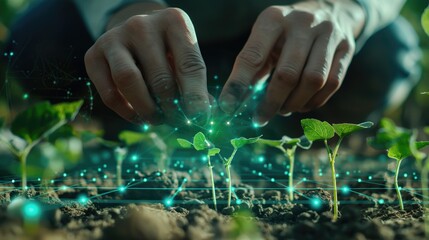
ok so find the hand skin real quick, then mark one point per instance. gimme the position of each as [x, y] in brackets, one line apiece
[144, 62]
[309, 45]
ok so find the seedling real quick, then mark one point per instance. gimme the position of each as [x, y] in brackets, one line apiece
[200, 143]
[237, 143]
[288, 147]
[400, 144]
[120, 154]
[316, 130]
[33, 125]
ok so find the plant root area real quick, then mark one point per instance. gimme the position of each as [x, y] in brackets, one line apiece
[177, 204]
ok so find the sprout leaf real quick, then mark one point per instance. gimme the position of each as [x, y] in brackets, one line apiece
[200, 141]
[425, 21]
[241, 141]
[345, 129]
[184, 143]
[317, 130]
[213, 151]
[131, 137]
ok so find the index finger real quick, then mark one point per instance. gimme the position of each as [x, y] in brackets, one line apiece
[252, 59]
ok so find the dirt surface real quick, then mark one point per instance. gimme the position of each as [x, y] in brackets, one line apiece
[96, 209]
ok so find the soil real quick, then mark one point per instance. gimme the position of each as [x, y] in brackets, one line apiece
[260, 210]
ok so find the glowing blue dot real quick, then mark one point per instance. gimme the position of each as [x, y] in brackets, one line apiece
[347, 173]
[134, 158]
[11, 54]
[211, 131]
[105, 176]
[204, 158]
[273, 179]
[94, 179]
[316, 203]
[405, 175]
[64, 174]
[145, 127]
[320, 174]
[176, 101]
[168, 202]
[63, 188]
[31, 210]
[228, 123]
[13, 181]
[259, 174]
[133, 180]
[381, 201]
[238, 201]
[81, 174]
[345, 189]
[25, 96]
[188, 122]
[144, 179]
[185, 180]
[255, 125]
[179, 189]
[359, 180]
[83, 199]
[88, 84]
[222, 174]
[52, 181]
[211, 123]
[227, 180]
[122, 189]
[215, 77]
[261, 159]
[290, 189]
[304, 179]
[99, 169]
[369, 177]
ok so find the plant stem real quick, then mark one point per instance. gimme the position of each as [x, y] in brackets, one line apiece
[228, 172]
[424, 183]
[119, 173]
[332, 156]
[291, 156]
[398, 192]
[212, 182]
[23, 161]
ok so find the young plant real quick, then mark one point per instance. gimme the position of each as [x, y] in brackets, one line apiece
[120, 154]
[400, 144]
[200, 143]
[33, 125]
[237, 143]
[288, 147]
[316, 130]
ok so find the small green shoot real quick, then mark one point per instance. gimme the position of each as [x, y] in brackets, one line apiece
[34, 125]
[120, 154]
[288, 147]
[425, 20]
[200, 143]
[399, 144]
[316, 130]
[237, 143]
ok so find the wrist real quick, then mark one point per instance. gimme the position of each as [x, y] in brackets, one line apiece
[356, 13]
[144, 8]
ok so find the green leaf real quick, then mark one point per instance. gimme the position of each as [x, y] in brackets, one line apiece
[68, 111]
[32, 123]
[213, 151]
[426, 130]
[388, 135]
[425, 20]
[425, 93]
[317, 130]
[184, 143]
[200, 141]
[131, 137]
[271, 143]
[422, 144]
[241, 141]
[37, 120]
[87, 136]
[345, 129]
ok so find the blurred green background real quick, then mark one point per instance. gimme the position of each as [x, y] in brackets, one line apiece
[412, 114]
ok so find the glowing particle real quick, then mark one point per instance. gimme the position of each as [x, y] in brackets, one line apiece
[405, 175]
[222, 174]
[176, 101]
[179, 189]
[94, 179]
[88, 84]
[105, 176]
[369, 177]
[347, 173]
[238, 201]
[64, 174]
[211, 123]
[259, 174]
[64, 188]
[337, 175]
[31, 210]
[304, 179]
[227, 180]
[228, 123]
[345, 189]
[211, 131]
[204, 158]
[25, 96]
[133, 180]
[81, 174]
[290, 189]
[273, 179]
[52, 181]
[11, 54]
[359, 180]
[13, 181]
[144, 179]
[255, 125]
[185, 180]
[381, 201]
[99, 169]
[105, 165]
[320, 174]
[188, 122]
[134, 157]
[315, 203]
[145, 127]
[168, 202]
[83, 199]
[261, 159]
[215, 77]
[122, 189]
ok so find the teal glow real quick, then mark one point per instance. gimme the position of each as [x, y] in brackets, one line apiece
[83, 199]
[315, 203]
[25, 96]
[168, 202]
[238, 201]
[31, 210]
[381, 201]
[145, 127]
[122, 189]
[345, 189]
[134, 158]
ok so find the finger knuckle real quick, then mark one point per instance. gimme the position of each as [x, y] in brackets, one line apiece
[333, 83]
[136, 23]
[347, 45]
[162, 83]
[272, 13]
[126, 77]
[191, 63]
[238, 88]
[303, 17]
[89, 56]
[287, 75]
[314, 79]
[175, 15]
[328, 26]
[252, 56]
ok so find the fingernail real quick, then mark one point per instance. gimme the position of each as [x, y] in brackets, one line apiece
[228, 104]
[259, 121]
[286, 114]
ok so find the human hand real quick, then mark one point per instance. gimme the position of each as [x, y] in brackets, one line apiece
[143, 65]
[309, 44]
